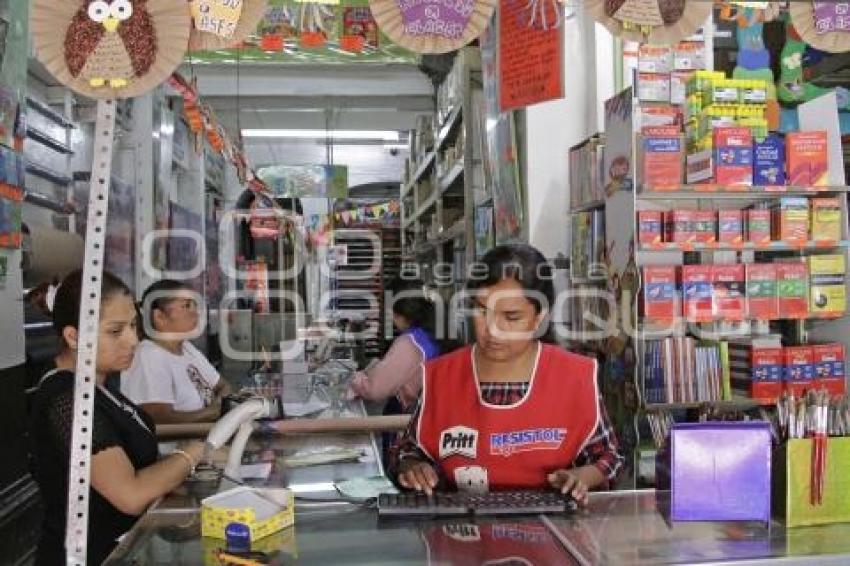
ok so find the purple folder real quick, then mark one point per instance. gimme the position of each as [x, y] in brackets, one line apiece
[720, 471]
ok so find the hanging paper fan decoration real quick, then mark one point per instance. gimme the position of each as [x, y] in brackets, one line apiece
[219, 24]
[650, 21]
[823, 25]
[110, 48]
[432, 26]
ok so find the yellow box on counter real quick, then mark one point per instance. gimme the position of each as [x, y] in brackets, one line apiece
[792, 480]
[282, 542]
[263, 510]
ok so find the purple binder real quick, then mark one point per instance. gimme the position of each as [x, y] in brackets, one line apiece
[720, 471]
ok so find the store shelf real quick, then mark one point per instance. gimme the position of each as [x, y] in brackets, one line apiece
[736, 192]
[737, 403]
[427, 163]
[50, 114]
[47, 174]
[449, 127]
[450, 178]
[44, 139]
[768, 246]
[593, 205]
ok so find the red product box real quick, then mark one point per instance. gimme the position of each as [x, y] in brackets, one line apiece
[730, 226]
[680, 226]
[649, 226]
[728, 291]
[705, 226]
[807, 158]
[762, 303]
[767, 368]
[663, 157]
[733, 156]
[696, 293]
[829, 368]
[799, 369]
[659, 293]
[792, 290]
[758, 225]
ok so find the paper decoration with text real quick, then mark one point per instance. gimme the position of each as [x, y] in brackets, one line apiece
[823, 25]
[432, 26]
[224, 23]
[110, 49]
[662, 22]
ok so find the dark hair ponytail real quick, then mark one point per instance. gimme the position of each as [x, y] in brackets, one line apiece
[66, 305]
[525, 265]
[413, 305]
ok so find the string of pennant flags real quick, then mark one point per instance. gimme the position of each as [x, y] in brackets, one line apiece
[320, 226]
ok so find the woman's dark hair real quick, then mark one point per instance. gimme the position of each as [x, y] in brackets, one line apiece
[66, 306]
[414, 305]
[525, 265]
[163, 289]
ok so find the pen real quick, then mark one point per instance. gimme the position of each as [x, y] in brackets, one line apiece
[237, 560]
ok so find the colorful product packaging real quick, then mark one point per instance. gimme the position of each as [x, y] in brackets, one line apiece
[761, 291]
[696, 293]
[655, 58]
[758, 225]
[792, 290]
[728, 291]
[730, 226]
[791, 219]
[826, 219]
[769, 161]
[799, 369]
[649, 226]
[653, 87]
[808, 159]
[699, 167]
[689, 56]
[679, 86]
[679, 226]
[663, 157]
[829, 368]
[660, 115]
[767, 366]
[827, 287]
[705, 226]
[733, 156]
[659, 293]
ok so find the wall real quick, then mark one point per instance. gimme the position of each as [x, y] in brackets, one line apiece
[553, 127]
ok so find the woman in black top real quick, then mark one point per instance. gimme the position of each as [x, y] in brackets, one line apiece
[126, 474]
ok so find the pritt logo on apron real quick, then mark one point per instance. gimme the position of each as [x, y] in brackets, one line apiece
[459, 440]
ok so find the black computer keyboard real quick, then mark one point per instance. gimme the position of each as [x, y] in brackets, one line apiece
[495, 503]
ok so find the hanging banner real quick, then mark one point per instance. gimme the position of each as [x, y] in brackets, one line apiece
[530, 58]
[295, 181]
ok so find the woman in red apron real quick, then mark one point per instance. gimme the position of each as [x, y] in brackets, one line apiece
[511, 411]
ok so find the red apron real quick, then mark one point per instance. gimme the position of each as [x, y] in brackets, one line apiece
[481, 447]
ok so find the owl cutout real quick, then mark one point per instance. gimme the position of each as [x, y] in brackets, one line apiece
[110, 48]
[660, 22]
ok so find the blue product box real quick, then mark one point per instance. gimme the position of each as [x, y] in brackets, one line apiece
[769, 161]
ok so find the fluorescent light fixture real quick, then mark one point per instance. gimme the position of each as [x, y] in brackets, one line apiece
[377, 135]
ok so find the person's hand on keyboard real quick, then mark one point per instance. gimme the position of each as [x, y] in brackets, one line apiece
[569, 482]
[418, 475]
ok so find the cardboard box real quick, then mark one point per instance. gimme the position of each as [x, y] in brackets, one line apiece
[733, 156]
[730, 226]
[769, 161]
[762, 302]
[767, 369]
[689, 56]
[829, 368]
[663, 156]
[808, 159]
[655, 58]
[758, 225]
[826, 219]
[791, 219]
[728, 291]
[660, 302]
[720, 471]
[696, 293]
[699, 167]
[660, 115]
[254, 507]
[650, 224]
[680, 226]
[792, 290]
[653, 87]
[705, 226]
[799, 369]
[792, 475]
[827, 286]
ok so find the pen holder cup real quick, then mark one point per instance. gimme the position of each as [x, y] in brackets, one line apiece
[793, 479]
[718, 471]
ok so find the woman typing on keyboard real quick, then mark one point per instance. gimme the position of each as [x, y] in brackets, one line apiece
[512, 411]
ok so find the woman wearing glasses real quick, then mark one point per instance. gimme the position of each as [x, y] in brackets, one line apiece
[170, 378]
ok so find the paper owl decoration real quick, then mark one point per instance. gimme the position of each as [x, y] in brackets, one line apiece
[110, 48]
[650, 21]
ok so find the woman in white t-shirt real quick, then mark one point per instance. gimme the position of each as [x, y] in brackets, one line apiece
[170, 378]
